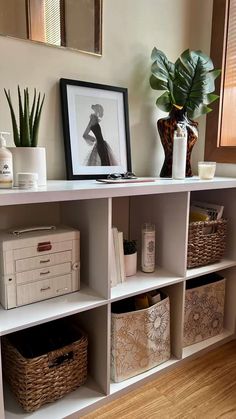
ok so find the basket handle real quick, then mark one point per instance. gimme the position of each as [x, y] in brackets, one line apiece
[61, 359]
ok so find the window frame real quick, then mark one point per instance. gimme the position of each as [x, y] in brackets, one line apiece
[214, 151]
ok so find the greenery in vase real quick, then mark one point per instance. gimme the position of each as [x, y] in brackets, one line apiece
[26, 132]
[188, 83]
[130, 247]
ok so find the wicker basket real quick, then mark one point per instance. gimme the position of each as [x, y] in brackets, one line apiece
[206, 242]
[45, 378]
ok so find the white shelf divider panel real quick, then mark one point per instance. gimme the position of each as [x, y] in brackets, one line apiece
[143, 282]
[44, 311]
[176, 294]
[93, 219]
[80, 399]
[97, 326]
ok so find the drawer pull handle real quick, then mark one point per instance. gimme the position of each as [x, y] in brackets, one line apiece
[42, 247]
[45, 273]
[44, 261]
[45, 289]
[62, 289]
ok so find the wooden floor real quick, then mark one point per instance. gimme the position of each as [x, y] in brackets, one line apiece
[203, 388]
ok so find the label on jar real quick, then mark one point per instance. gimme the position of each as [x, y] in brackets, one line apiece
[148, 251]
[5, 172]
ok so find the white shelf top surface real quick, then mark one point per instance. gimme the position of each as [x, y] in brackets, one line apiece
[197, 347]
[207, 269]
[141, 282]
[64, 190]
[48, 310]
[142, 377]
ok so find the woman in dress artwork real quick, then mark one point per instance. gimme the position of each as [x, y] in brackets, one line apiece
[101, 154]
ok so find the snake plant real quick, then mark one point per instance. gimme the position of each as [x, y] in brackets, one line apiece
[26, 132]
[188, 83]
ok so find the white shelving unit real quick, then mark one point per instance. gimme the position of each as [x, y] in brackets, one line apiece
[94, 208]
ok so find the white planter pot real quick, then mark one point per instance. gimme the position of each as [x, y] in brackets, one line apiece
[29, 159]
[130, 264]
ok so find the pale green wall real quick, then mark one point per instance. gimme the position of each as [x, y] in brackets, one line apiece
[131, 29]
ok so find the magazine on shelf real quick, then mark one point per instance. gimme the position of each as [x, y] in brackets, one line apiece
[203, 211]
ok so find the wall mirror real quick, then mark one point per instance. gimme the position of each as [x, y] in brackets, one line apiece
[75, 24]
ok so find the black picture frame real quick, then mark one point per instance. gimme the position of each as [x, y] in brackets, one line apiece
[95, 128]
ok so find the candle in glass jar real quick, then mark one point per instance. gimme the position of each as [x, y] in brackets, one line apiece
[148, 247]
[206, 169]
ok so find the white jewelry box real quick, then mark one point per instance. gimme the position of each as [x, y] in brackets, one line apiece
[38, 263]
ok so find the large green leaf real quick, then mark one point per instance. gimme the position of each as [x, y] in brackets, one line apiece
[164, 102]
[198, 111]
[188, 83]
[190, 80]
[13, 119]
[157, 84]
[163, 71]
[163, 63]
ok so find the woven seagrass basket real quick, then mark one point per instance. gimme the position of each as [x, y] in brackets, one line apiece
[47, 377]
[206, 242]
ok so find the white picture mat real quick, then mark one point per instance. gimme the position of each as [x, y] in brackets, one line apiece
[80, 100]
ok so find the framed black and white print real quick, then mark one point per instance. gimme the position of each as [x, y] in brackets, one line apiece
[96, 129]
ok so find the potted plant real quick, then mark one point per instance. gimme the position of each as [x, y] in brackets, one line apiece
[27, 157]
[188, 86]
[130, 257]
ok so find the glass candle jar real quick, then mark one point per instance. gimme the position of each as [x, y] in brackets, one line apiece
[148, 247]
[206, 169]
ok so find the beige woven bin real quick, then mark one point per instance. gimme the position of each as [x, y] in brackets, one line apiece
[45, 378]
[204, 308]
[140, 340]
[205, 247]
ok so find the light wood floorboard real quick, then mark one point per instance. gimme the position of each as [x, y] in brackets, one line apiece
[202, 388]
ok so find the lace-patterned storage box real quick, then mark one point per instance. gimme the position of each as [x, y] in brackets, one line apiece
[204, 308]
[38, 263]
[140, 340]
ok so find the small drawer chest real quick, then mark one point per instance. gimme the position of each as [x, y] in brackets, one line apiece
[38, 263]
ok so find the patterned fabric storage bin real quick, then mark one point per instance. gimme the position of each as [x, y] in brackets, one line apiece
[204, 308]
[140, 340]
[44, 363]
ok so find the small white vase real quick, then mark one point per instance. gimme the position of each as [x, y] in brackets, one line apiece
[29, 159]
[130, 264]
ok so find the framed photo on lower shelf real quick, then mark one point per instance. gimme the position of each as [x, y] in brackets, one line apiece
[96, 129]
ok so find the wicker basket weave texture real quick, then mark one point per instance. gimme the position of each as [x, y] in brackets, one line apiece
[45, 378]
[206, 247]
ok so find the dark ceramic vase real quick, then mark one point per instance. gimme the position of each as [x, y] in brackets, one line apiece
[166, 128]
